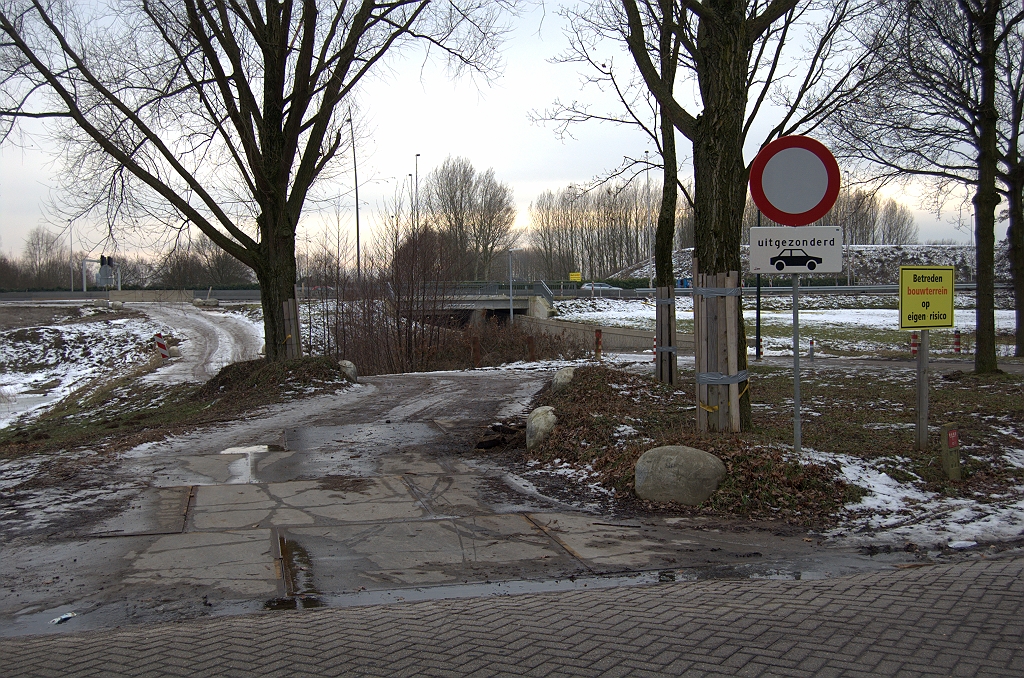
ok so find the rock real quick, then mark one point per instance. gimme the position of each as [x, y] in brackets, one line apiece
[211, 303]
[117, 305]
[197, 302]
[539, 424]
[100, 303]
[562, 378]
[684, 475]
[348, 368]
[174, 351]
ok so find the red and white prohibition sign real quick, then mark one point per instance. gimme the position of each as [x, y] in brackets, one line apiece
[794, 180]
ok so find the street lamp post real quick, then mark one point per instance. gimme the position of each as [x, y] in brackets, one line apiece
[417, 201]
[355, 176]
[647, 209]
[511, 311]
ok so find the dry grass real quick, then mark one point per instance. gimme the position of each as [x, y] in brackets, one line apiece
[863, 413]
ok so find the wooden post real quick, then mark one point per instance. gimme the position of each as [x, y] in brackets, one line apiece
[950, 451]
[732, 342]
[922, 393]
[700, 346]
[477, 358]
[531, 348]
[597, 344]
[665, 367]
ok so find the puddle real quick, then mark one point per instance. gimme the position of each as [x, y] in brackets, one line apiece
[297, 571]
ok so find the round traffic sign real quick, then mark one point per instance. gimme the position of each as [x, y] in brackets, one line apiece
[794, 180]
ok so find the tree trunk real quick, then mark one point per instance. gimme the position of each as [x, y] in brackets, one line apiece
[1015, 236]
[275, 271]
[986, 198]
[663, 270]
[720, 174]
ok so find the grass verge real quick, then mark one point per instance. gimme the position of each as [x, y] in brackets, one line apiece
[608, 418]
[116, 414]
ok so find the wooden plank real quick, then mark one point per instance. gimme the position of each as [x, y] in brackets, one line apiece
[699, 347]
[732, 334]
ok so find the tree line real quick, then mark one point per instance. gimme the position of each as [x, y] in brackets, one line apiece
[47, 263]
[612, 226]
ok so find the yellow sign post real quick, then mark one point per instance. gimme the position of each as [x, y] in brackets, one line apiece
[575, 276]
[926, 297]
[926, 303]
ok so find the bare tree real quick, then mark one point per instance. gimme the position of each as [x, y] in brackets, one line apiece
[896, 225]
[1010, 102]
[739, 56]
[473, 212]
[934, 114]
[214, 113]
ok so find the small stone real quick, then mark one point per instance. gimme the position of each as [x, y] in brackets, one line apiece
[348, 368]
[676, 473]
[562, 379]
[539, 425]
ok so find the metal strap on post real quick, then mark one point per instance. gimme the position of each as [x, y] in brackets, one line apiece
[719, 379]
[667, 301]
[665, 349]
[718, 291]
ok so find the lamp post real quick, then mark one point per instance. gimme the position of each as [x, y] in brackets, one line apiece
[511, 312]
[355, 176]
[71, 249]
[417, 201]
[647, 209]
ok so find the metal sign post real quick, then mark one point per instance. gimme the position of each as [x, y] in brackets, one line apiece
[796, 363]
[926, 302]
[794, 181]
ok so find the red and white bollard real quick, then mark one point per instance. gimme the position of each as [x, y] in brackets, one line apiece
[654, 351]
[161, 346]
[914, 343]
[812, 349]
[956, 342]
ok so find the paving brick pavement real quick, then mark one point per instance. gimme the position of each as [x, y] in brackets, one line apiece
[964, 619]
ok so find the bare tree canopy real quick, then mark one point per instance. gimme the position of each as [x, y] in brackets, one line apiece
[943, 108]
[473, 212]
[215, 113]
[741, 59]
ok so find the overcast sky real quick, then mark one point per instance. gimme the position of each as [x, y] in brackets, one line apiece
[415, 108]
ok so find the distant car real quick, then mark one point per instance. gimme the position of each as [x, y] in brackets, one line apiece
[794, 258]
[598, 286]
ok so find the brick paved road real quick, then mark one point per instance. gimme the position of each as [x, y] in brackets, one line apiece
[962, 620]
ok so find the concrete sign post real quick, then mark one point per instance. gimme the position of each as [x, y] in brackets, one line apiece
[926, 303]
[795, 181]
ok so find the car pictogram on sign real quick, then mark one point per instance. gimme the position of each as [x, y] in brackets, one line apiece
[794, 257]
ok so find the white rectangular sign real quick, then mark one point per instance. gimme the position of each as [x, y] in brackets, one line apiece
[803, 249]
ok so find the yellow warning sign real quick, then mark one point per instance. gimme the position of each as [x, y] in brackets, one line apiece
[575, 276]
[926, 297]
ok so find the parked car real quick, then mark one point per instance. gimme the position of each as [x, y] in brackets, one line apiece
[598, 286]
[794, 257]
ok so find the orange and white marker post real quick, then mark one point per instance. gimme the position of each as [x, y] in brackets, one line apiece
[161, 346]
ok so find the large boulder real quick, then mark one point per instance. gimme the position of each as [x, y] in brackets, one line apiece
[562, 378]
[539, 425]
[684, 475]
[348, 368]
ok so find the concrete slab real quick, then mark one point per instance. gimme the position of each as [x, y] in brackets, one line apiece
[347, 499]
[385, 555]
[450, 495]
[156, 510]
[609, 547]
[227, 507]
[238, 563]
